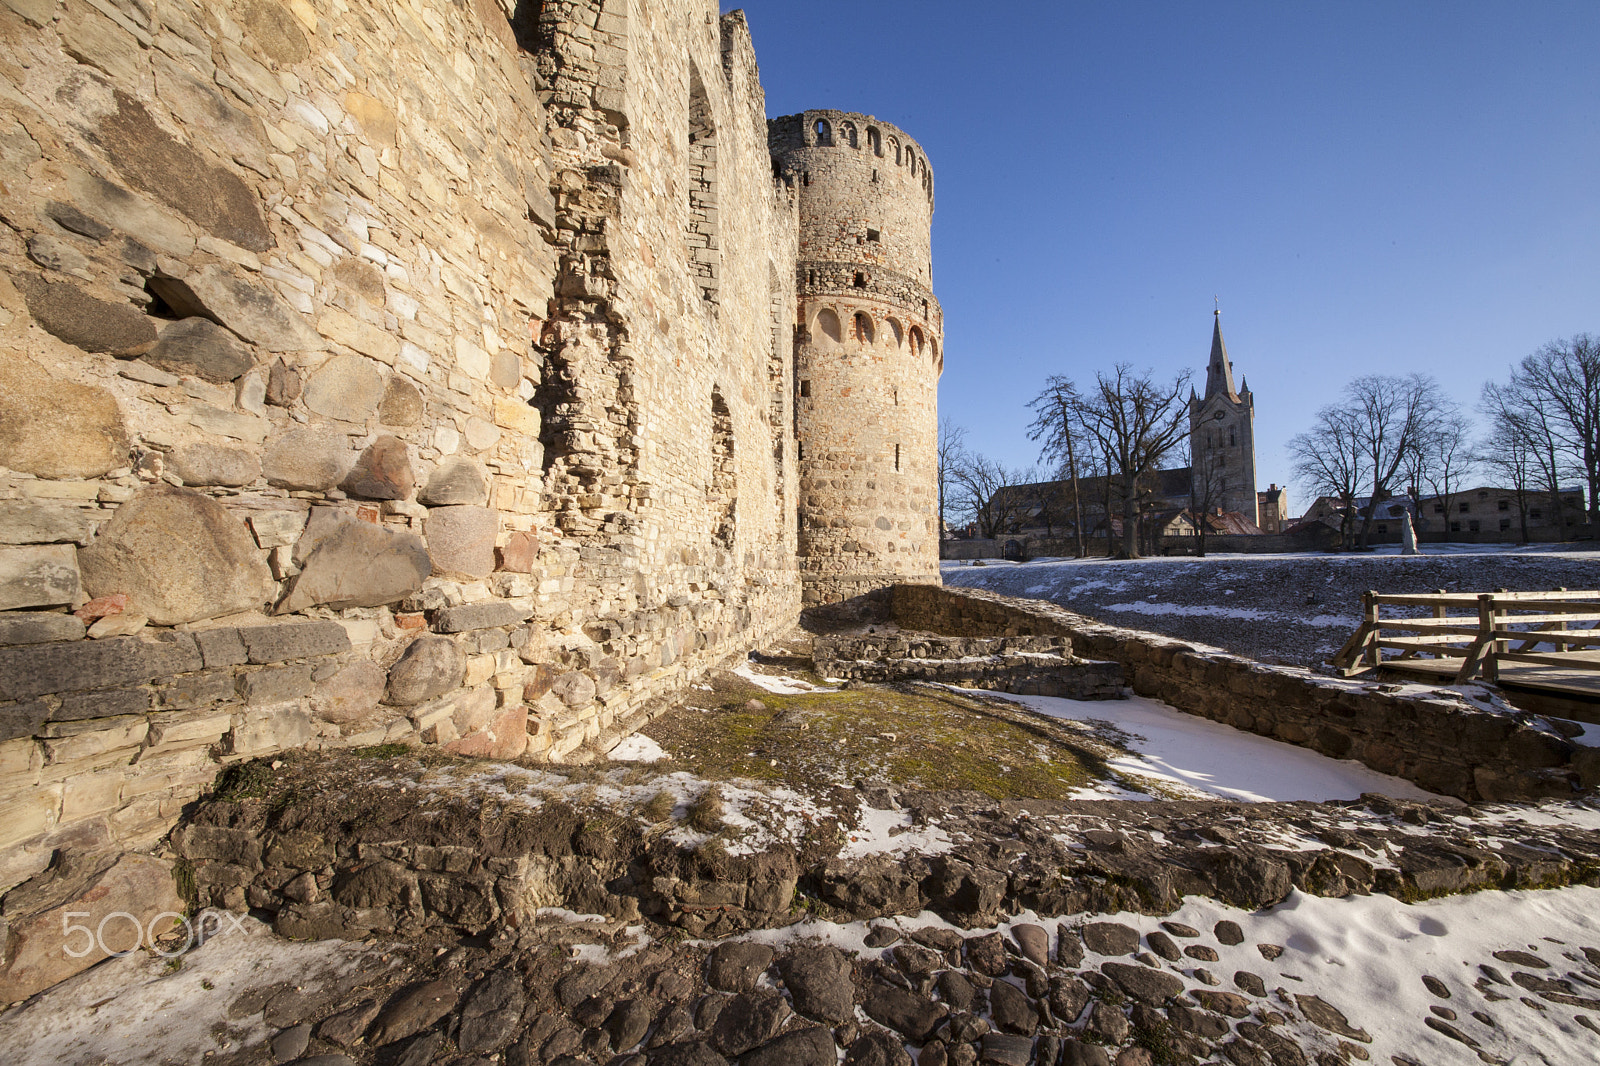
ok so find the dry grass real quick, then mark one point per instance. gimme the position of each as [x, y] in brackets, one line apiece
[911, 736]
[705, 813]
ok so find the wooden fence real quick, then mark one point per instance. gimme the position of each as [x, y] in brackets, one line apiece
[1477, 634]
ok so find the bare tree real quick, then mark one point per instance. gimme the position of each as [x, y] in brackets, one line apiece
[1518, 414]
[1443, 459]
[1506, 455]
[1358, 446]
[1056, 427]
[1327, 462]
[1205, 489]
[1556, 392]
[977, 484]
[1134, 422]
[952, 446]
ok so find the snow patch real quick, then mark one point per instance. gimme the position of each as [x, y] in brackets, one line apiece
[1196, 757]
[637, 748]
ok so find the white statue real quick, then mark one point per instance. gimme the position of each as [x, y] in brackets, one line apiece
[1408, 535]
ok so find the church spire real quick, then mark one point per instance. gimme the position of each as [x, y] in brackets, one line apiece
[1219, 372]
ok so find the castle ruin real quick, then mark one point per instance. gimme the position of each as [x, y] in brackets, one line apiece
[473, 374]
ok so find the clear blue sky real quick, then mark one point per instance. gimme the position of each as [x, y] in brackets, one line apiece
[1367, 187]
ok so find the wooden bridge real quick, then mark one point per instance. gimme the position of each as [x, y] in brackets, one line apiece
[1541, 645]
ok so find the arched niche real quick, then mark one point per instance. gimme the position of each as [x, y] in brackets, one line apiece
[828, 325]
[861, 329]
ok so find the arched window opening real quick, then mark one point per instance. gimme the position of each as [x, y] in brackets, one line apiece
[1232, 442]
[874, 140]
[863, 329]
[722, 493]
[849, 132]
[896, 333]
[916, 341]
[828, 324]
[824, 133]
[911, 161]
[701, 237]
[860, 280]
[894, 142]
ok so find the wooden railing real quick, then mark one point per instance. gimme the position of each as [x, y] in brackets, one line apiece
[1484, 630]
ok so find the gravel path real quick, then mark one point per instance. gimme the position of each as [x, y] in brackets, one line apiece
[1291, 609]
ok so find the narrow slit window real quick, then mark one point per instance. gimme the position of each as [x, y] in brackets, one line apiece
[860, 280]
[805, 387]
[873, 235]
[897, 457]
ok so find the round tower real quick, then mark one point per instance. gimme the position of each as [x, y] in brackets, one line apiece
[869, 348]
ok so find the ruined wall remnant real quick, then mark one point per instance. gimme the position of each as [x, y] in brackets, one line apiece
[1437, 739]
[411, 372]
[868, 353]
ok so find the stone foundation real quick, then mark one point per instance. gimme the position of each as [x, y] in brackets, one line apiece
[1027, 666]
[1436, 739]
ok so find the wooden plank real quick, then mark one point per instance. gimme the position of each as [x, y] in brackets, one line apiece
[1551, 636]
[1346, 655]
[1428, 625]
[1420, 599]
[1553, 612]
[1566, 662]
[1438, 646]
[1562, 595]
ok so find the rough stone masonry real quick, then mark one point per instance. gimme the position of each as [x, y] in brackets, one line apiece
[422, 372]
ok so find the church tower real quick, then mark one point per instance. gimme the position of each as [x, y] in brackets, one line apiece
[1222, 438]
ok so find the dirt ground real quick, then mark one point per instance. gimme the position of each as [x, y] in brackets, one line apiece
[1290, 609]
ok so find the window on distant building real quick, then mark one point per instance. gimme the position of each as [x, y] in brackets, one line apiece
[1503, 505]
[1466, 507]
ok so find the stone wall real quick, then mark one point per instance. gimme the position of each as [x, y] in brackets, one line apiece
[1028, 666]
[1434, 737]
[441, 349]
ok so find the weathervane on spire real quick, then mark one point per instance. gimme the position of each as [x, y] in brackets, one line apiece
[1218, 301]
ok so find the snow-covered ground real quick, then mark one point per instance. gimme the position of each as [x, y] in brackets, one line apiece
[1295, 609]
[1367, 956]
[1189, 757]
[142, 1009]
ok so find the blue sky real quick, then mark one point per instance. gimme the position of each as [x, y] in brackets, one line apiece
[1366, 187]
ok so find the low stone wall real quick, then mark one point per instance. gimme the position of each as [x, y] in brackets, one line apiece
[1028, 666]
[1436, 739]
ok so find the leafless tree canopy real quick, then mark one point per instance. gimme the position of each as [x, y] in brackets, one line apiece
[1134, 422]
[1362, 445]
[952, 447]
[976, 481]
[1552, 403]
[1060, 434]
